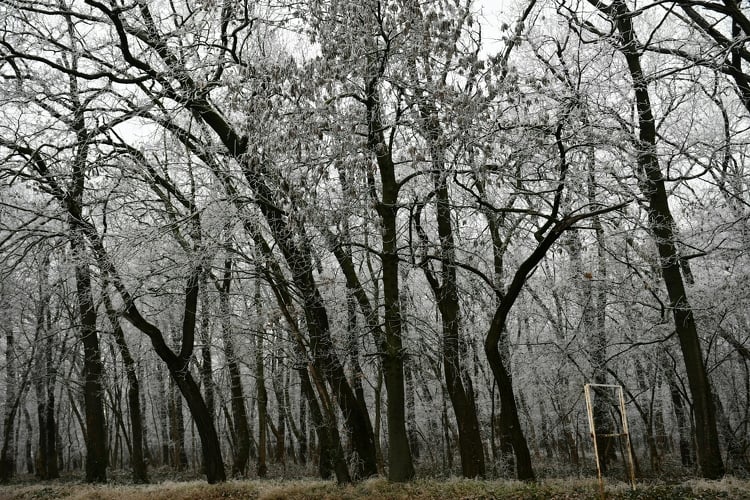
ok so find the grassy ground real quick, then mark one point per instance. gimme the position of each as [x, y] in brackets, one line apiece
[379, 488]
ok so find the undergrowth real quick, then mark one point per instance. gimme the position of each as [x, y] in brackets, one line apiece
[586, 488]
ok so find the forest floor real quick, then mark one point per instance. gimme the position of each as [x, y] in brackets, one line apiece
[373, 489]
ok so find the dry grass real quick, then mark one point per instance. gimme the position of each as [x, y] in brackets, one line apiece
[379, 488]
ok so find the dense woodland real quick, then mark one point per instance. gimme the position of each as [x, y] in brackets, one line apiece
[362, 237]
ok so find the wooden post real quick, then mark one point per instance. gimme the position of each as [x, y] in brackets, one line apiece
[592, 427]
[625, 433]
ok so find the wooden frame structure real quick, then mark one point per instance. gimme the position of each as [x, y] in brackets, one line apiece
[625, 433]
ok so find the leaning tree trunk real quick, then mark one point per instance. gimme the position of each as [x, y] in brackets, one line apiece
[331, 453]
[662, 227]
[177, 364]
[497, 332]
[509, 409]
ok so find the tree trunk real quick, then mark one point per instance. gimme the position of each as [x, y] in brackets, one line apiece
[331, 452]
[736, 450]
[687, 457]
[45, 381]
[96, 435]
[279, 430]
[400, 465]
[237, 394]
[178, 364]
[177, 453]
[148, 454]
[662, 227]
[411, 415]
[303, 440]
[163, 413]
[262, 395]
[12, 401]
[353, 346]
[446, 295]
[212, 462]
[324, 354]
[27, 444]
[206, 366]
[140, 474]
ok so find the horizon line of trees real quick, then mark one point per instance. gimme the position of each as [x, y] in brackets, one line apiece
[360, 236]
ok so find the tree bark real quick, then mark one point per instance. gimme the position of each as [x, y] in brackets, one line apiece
[163, 415]
[411, 414]
[279, 430]
[303, 440]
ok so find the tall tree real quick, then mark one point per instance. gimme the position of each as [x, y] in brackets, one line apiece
[662, 226]
[239, 412]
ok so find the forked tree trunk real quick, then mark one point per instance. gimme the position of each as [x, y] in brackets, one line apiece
[496, 335]
[401, 466]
